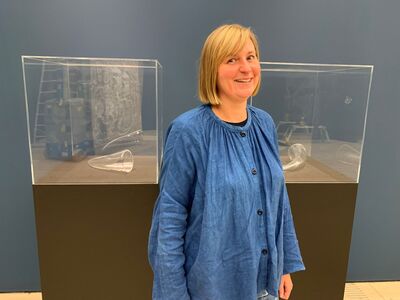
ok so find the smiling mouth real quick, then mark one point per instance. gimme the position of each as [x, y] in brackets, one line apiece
[244, 80]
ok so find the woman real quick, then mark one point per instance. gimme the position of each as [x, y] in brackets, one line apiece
[222, 226]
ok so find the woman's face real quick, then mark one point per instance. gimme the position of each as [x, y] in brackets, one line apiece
[238, 75]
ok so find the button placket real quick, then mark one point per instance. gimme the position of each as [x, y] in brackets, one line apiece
[251, 163]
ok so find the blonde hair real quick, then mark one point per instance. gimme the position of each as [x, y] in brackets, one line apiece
[224, 41]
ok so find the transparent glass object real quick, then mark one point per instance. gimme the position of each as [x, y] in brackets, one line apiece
[121, 161]
[320, 114]
[85, 112]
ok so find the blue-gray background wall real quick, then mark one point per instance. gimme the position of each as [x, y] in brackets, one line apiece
[317, 31]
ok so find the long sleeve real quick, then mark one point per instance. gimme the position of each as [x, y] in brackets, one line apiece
[292, 261]
[168, 229]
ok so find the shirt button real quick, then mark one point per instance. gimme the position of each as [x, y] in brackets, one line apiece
[264, 251]
[259, 212]
[242, 134]
[253, 171]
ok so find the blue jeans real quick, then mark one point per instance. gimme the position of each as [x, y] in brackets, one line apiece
[265, 296]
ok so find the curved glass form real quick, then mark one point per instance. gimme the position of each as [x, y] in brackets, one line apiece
[320, 114]
[89, 119]
[121, 161]
[298, 155]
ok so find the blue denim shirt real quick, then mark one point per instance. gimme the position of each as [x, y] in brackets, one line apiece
[222, 226]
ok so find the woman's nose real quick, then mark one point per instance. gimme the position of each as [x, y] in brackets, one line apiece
[245, 66]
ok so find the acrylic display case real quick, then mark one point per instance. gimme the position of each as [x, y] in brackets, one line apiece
[93, 120]
[320, 115]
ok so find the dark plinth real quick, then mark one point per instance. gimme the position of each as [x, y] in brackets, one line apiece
[92, 240]
[323, 215]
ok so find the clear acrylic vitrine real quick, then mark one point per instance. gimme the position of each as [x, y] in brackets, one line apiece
[320, 115]
[93, 120]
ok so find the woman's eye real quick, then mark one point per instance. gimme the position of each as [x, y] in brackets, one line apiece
[231, 60]
[251, 57]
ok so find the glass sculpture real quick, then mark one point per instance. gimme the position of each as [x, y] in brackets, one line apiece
[90, 118]
[320, 113]
[298, 155]
[121, 161]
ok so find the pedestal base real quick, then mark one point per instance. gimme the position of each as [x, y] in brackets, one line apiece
[92, 240]
[323, 216]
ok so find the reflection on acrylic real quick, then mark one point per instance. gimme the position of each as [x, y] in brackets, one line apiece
[297, 155]
[82, 109]
[65, 132]
[290, 132]
[116, 95]
[121, 161]
[348, 155]
[131, 138]
[348, 100]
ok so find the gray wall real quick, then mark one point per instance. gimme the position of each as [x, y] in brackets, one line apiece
[318, 31]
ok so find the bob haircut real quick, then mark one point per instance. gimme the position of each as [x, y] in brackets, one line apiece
[224, 41]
